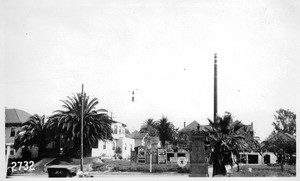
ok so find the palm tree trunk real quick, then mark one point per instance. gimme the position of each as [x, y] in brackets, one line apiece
[218, 169]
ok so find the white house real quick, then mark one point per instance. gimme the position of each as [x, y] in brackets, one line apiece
[120, 139]
[13, 122]
[140, 140]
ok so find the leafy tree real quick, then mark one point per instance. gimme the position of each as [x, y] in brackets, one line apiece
[166, 130]
[285, 121]
[32, 132]
[223, 142]
[283, 136]
[280, 140]
[65, 125]
[149, 127]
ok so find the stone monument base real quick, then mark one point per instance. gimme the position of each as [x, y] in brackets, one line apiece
[198, 170]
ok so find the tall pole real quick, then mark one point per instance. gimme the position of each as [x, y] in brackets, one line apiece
[215, 89]
[81, 148]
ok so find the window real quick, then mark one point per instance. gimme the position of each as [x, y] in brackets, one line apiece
[123, 131]
[95, 144]
[130, 147]
[119, 129]
[12, 132]
[115, 129]
[104, 145]
[114, 146]
[125, 146]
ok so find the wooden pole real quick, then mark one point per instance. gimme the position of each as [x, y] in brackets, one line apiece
[81, 140]
[150, 162]
[215, 89]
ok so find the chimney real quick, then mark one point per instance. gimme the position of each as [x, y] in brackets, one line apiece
[184, 124]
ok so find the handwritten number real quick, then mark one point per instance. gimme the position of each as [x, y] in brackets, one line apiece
[13, 167]
[26, 165]
[20, 165]
[32, 163]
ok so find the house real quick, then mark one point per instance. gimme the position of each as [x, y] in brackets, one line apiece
[186, 131]
[120, 139]
[13, 122]
[143, 139]
[185, 134]
[269, 157]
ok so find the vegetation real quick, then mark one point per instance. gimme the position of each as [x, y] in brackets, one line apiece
[126, 166]
[224, 140]
[263, 171]
[149, 126]
[32, 132]
[166, 130]
[285, 121]
[65, 125]
[283, 136]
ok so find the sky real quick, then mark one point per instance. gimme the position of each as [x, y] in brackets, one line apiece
[164, 50]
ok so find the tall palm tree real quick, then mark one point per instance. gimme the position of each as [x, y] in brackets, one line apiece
[65, 125]
[165, 130]
[32, 132]
[224, 142]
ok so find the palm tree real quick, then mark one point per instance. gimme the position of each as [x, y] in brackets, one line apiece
[65, 125]
[149, 127]
[165, 130]
[32, 133]
[224, 142]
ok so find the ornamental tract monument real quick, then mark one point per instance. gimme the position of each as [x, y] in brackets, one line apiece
[199, 166]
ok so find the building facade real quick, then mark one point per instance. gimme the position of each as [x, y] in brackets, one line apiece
[121, 143]
[13, 122]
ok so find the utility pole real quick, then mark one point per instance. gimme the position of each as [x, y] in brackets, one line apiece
[81, 148]
[215, 89]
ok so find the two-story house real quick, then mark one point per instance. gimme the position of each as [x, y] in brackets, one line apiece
[13, 121]
[120, 139]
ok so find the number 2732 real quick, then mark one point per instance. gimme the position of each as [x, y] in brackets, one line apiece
[27, 165]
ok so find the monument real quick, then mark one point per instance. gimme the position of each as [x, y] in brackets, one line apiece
[198, 163]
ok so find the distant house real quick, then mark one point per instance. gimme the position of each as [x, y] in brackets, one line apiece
[187, 130]
[120, 139]
[270, 157]
[13, 122]
[185, 134]
[140, 140]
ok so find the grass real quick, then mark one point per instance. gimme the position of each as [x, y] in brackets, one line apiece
[264, 171]
[126, 166]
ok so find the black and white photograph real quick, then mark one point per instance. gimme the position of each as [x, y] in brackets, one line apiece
[135, 89]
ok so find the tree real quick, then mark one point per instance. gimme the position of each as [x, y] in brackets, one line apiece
[32, 132]
[149, 127]
[65, 125]
[166, 130]
[284, 134]
[285, 121]
[280, 140]
[223, 142]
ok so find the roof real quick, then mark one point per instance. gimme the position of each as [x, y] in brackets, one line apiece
[138, 135]
[114, 121]
[128, 135]
[287, 135]
[15, 116]
[193, 126]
